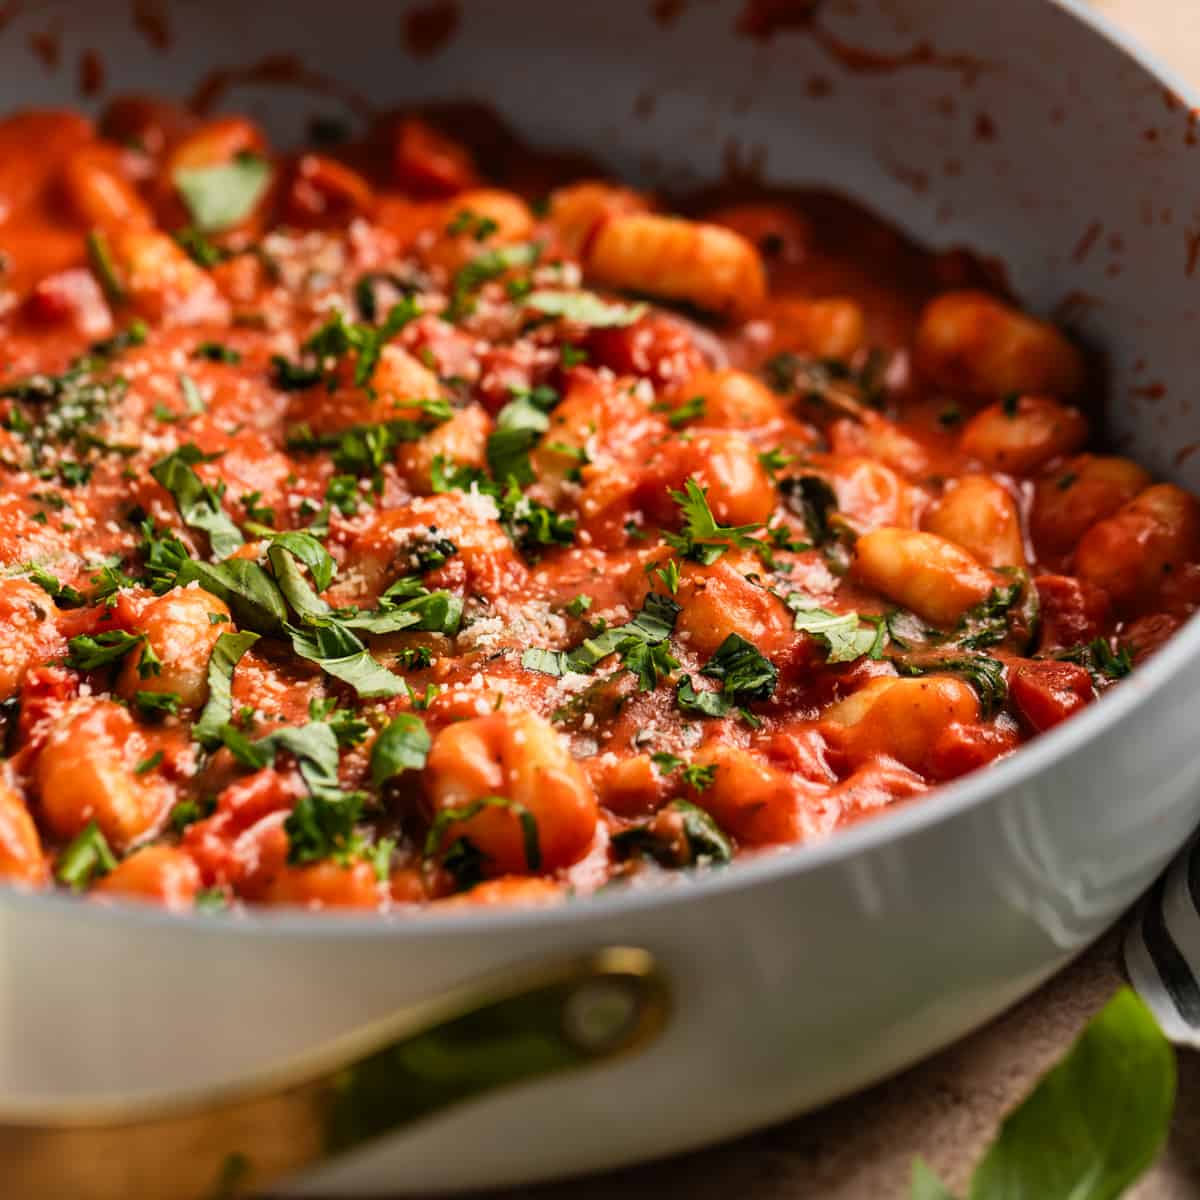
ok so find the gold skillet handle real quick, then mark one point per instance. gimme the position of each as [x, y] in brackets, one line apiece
[503, 1031]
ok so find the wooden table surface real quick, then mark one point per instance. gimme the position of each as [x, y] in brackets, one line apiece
[948, 1108]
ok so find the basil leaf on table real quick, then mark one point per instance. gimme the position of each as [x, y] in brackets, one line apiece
[1091, 1126]
[926, 1185]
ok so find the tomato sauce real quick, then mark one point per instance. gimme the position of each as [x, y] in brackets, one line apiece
[427, 521]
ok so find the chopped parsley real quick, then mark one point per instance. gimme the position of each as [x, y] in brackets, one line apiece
[702, 538]
[491, 264]
[641, 645]
[90, 652]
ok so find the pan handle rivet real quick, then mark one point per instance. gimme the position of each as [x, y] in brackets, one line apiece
[600, 1014]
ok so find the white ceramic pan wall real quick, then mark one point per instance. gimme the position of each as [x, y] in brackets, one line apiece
[806, 975]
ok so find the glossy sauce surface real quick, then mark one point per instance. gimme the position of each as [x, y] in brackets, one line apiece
[405, 522]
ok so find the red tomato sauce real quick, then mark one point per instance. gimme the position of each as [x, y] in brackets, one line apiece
[424, 521]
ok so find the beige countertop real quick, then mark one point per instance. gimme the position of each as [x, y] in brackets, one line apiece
[948, 1108]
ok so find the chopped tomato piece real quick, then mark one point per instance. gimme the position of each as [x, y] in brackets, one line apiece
[1045, 693]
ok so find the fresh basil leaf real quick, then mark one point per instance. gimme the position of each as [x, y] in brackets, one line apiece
[814, 501]
[251, 594]
[704, 842]
[519, 426]
[221, 196]
[702, 704]
[746, 672]
[85, 859]
[986, 675]
[300, 597]
[402, 745]
[1096, 1121]
[548, 662]
[314, 747]
[489, 265]
[311, 553]
[340, 654]
[585, 308]
[843, 635]
[227, 652]
[321, 825]
[452, 816]
[199, 505]
[926, 1185]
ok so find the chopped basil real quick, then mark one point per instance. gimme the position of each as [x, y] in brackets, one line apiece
[87, 858]
[188, 812]
[529, 523]
[157, 704]
[199, 505]
[221, 196]
[585, 308]
[148, 764]
[484, 267]
[1101, 659]
[61, 593]
[704, 842]
[843, 635]
[579, 605]
[690, 410]
[101, 261]
[192, 399]
[227, 652]
[814, 501]
[402, 745]
[340, 654]
[198, 248]
[453, 816]
[519, 426]
[217, 352]
[986, 675]
[1009, 609]
[745, 672]
[641, 644]
[701, 704]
